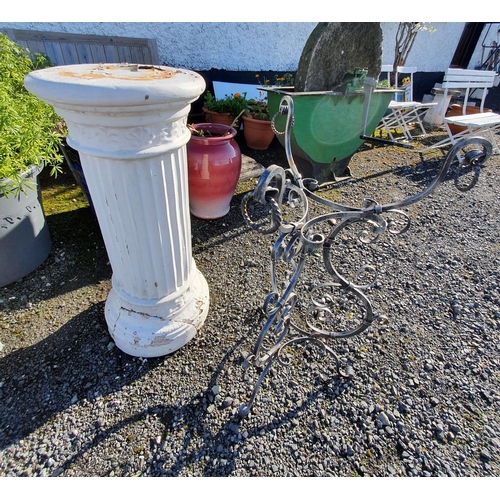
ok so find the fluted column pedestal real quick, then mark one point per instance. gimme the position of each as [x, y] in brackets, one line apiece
[128, 123]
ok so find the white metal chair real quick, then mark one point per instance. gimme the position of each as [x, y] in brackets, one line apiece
[406, 113]
[411, 110]
[482, 123]
[387, 69]
[392, 120]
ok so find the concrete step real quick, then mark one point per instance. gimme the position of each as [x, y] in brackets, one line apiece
[249, 168]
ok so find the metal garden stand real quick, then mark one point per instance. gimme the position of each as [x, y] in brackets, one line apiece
[336, 307]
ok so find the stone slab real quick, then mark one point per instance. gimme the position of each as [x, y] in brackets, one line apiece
[336, 49]
[249, 168]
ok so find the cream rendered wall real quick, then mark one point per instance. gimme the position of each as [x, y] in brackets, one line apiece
[240, 46]
[432, 51]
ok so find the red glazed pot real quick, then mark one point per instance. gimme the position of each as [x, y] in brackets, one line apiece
[214, 167]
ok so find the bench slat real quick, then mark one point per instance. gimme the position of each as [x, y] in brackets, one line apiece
[70, 55]
[475, 120]
[461, 78]
[73, 48]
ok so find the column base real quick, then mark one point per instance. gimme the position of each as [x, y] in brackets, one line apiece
[152, 328]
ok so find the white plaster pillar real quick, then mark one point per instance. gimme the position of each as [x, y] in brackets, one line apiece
[128, 123]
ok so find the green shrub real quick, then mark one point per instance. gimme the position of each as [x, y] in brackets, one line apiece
[27, 125]
[233, 104]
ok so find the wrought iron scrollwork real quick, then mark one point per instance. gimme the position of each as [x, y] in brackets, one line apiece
[336, 306]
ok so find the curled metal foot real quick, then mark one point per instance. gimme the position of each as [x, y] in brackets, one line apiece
[243, 411]
[278, 354]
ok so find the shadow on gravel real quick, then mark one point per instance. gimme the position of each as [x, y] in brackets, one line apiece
[195, 413]
[77, 259]
[75, 363]
[202, 434]
[78, 364]
[208, 234]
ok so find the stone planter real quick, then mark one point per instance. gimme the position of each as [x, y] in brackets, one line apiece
[128, 124]
[24, 235]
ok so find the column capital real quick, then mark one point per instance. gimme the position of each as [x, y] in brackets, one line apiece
[121, 111]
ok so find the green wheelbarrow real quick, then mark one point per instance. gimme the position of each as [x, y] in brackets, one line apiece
[329, 127]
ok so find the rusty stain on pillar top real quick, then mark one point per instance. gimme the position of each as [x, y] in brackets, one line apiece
[98, 84]
[123, 72]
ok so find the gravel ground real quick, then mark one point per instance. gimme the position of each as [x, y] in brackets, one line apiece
[423, 401]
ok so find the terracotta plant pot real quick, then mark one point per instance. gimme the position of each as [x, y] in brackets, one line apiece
[457, 110]
[213, 117]
[214, 167]
[258, 133]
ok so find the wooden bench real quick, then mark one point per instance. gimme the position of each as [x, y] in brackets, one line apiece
[70, 48]
[481, 123]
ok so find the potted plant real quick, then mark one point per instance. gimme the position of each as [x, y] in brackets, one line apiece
[257, 127]
[224, 110]
[28, 141]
